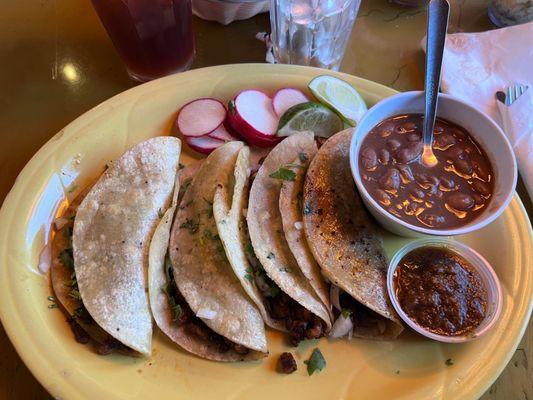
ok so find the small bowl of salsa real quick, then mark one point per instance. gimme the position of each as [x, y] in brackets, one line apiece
[444, 290]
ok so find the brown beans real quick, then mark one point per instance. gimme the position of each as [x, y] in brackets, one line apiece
[410, 153]
[463, 167]
[454, 153]
[414, 137]
[460, 201]
[447, 183]
[369, 158]
[384, 156]
[417, 194]
[391, 179]
[431, 220]
[444, 141]
[406, 173]
[481, 187]
[393, 144]
[382, 197]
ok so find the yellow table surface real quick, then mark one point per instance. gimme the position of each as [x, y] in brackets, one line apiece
[39, 37]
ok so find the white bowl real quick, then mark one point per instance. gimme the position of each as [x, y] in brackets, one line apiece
[482, 267]
[481, 127]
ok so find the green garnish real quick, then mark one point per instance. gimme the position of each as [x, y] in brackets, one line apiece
[177, 312]
[346, 312]
[284, 174]
[315, 362]
[249, 277]
[191, 225]
[307, 209]
[249, 248]
[449, 362]
[66, 258]
[303, 157]
[209, 235]
[271, 256]
[75, 294]
[160, 213]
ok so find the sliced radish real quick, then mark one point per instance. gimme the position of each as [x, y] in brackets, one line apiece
[204, 144]
[200, 117]
[286, 98]
[221, 133]
[252, 116]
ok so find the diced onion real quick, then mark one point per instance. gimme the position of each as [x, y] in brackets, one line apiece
[45, 259]
[206, 313]
[334, 296]
[342, 327]
[298, 225]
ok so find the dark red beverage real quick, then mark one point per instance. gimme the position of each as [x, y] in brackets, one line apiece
[153, 37]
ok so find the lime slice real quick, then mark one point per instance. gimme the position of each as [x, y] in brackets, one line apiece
[339, 95]
[309, 117]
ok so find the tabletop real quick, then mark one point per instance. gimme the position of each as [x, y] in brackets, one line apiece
[39, 38]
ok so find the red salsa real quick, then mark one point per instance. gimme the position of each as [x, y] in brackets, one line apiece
[440, 291]
[446, 196]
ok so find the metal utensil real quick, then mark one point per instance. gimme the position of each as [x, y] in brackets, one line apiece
[511, 94]
[437, 25]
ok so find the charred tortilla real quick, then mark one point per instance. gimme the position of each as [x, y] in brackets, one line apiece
[266, 229]
[202, 272]
[343, 238]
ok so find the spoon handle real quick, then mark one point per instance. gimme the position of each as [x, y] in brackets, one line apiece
[437, 25]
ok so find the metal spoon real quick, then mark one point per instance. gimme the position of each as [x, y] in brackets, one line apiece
[437, 25]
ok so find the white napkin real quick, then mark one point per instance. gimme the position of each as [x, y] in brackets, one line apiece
[477, 65]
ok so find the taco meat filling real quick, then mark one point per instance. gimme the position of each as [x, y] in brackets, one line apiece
[81, 316]
[182, 315]
[301, 323]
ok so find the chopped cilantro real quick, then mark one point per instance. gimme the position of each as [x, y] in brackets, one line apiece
[177, 312]
[271, 256]
[315, 362]
[249, 248]
[75, 294]
[307, 209]
[191, 225]
[303, 157]
[160, 213]
[284, 174]
[346, 312]
[209, 235]
[249, 277]
[66, 258]
[449, 362]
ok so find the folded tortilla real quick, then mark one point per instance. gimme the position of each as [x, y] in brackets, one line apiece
[266, 228]
[290, 207]
[112, 231]
[201, 269]
[343, 239]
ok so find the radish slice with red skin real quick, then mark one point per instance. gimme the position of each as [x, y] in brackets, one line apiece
[200, 117]
[286, 98]
[252, 116]
[203, 144]
[221, 133]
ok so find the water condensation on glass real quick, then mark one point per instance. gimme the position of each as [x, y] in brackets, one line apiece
[312, 32]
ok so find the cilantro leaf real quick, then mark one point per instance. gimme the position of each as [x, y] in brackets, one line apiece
[191, 225]
[249, 277]
[271, 256]
[315, 362]
[283, 174]
[303, 157]
[346, 312]
[307, 209]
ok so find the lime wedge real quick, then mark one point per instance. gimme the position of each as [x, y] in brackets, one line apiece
[309, 117]
[339, 95]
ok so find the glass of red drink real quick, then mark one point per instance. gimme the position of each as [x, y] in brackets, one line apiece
[153, 37]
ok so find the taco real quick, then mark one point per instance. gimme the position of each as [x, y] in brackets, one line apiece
[106, 257]
[344, 241]
[287, 293]
[215, 318]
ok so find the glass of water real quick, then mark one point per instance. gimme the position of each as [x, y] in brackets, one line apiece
[312, 32]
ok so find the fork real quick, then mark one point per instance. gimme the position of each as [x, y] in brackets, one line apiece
[513, 92]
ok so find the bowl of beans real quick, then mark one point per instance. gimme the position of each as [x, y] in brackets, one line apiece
[469, 187]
